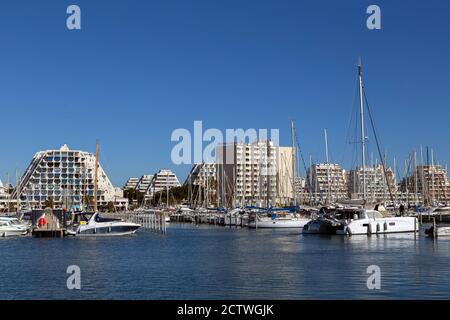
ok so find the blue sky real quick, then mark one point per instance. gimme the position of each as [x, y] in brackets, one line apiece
[140, 69]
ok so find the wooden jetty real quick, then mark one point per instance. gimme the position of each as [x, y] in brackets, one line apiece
[51, 229]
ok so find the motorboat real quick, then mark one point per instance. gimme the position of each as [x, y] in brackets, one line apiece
[275, 220]
[12, 227]
[92, 224]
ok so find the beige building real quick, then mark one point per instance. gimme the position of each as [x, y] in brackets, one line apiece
[254, 174]
[378, 188]
[327, 182]
[428, 183]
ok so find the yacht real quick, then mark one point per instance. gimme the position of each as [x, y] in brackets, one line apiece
[12, 227]
[91, 224]
[368, 222]
[360, 222]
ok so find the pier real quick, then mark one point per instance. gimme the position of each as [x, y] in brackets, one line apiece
[153, 221]
[51, 229]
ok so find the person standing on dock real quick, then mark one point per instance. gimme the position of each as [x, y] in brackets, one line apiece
[402, 209]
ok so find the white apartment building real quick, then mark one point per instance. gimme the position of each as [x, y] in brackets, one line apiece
[66, 177]
[377, 187]
[144, 183]
[162, 180]
[200, 172]
[131, 183]
[254, 174]
[428, 183]
[327, 181]
[4, 198]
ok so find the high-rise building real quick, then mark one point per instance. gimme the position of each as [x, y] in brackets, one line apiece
[144, 183]
[327, 181]
[429, 182]
[199, 173]
[378, 185]
[162, 180]
[202, 184]
[3, 197]
[66, 178]
[131, 184]
[258, 173]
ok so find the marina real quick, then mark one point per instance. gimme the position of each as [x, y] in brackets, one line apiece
[203, 261]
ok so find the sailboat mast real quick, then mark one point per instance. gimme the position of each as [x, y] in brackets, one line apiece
[293, 165]
[363, 138]
[328, 166]
[96, 177]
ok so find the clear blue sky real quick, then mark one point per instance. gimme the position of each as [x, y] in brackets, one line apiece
[140, 69]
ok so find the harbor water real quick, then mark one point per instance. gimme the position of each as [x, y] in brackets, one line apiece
[211, 262]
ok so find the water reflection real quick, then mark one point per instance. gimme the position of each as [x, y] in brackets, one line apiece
[208, 262]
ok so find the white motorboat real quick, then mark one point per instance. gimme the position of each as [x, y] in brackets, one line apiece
[277, 221]
[367, 222]
[12, 227]
[91, 224]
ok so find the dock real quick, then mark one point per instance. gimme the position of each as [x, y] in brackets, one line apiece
[51, 229]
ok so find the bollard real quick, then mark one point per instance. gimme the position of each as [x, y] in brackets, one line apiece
[434, 228]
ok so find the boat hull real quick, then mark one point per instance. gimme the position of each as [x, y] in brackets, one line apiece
[380, 226]
[275, 224]
[12, 232]
[107, 230]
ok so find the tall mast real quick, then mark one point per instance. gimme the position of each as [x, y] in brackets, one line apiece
[328, 166]
[96, 177]
[293, 165]
[416, 198]
[363, 136]
[167, 189]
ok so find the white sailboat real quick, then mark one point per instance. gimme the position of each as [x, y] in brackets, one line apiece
[361, 221]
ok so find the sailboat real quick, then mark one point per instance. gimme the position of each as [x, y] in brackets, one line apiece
[92, 224]
[361, 220]
[279, 219]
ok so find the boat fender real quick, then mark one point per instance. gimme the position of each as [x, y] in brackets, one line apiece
[378, 227]
[349, 231]
[385, 226]
[369, 228]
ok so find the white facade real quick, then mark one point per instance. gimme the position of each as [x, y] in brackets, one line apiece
[65, 177]
[254, 174]
[327, 181]
[162, 180]
[3, 197]
[377, 188]
[131, 183]
[200, 172]
[144, 183]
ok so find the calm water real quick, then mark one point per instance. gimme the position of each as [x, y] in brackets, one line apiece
[209, 262]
